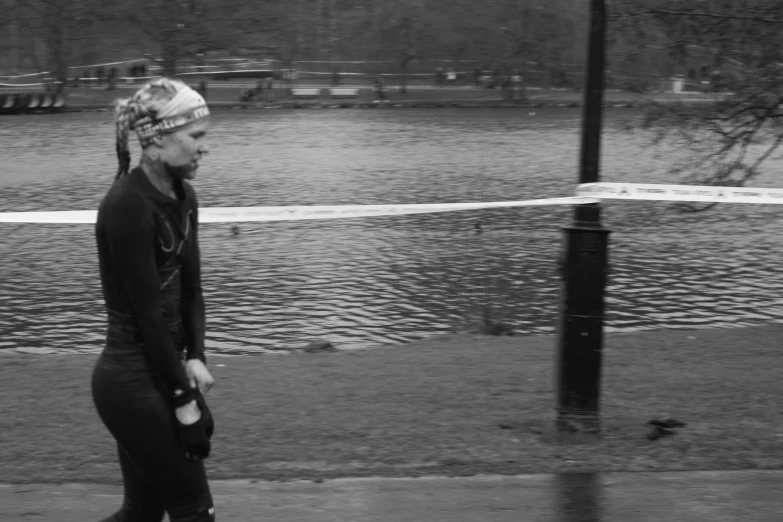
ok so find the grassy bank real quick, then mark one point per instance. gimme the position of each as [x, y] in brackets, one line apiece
[453, 405]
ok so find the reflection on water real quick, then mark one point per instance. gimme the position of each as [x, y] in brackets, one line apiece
[359, 282]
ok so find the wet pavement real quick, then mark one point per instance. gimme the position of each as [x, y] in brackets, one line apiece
[715, 496]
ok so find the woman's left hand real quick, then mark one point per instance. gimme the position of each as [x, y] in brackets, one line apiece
[198, 375]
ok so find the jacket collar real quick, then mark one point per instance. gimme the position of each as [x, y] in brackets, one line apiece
[155, 194]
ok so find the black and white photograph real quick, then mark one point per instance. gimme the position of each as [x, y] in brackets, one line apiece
[391, 261]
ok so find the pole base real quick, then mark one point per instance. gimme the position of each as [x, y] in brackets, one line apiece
[577, 422]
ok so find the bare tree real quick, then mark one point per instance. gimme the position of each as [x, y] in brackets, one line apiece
[532, 36]
[333, 29]
[9, 33]
[402, 35]
[740, 43]
[184, 29]
[52, 31]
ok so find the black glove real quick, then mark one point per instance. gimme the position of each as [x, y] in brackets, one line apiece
[195, 437]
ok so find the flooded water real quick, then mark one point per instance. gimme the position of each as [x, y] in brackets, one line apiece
[363, 282]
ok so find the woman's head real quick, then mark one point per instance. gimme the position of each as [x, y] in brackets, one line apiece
[170, 120]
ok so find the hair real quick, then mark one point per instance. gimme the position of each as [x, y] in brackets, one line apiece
[143, 106]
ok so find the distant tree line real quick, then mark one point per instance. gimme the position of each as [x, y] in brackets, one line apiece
[649, 39]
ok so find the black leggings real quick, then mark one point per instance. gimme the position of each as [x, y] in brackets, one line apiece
[157, 477]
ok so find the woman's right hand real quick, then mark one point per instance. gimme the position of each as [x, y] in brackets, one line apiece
[195, 425]
[188, 413]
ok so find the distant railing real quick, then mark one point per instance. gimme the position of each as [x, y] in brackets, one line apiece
[228, 68]
[19, 103]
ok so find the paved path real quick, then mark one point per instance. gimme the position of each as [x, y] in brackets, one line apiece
[741, 496]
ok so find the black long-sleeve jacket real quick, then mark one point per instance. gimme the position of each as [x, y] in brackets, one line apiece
[151, 274]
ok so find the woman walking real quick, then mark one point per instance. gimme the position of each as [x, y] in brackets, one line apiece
[148, 382]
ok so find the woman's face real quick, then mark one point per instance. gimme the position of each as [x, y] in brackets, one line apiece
[181, 151]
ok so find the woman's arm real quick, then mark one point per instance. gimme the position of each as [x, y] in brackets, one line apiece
[193, 314]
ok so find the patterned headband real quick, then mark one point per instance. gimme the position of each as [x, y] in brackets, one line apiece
[185, 108]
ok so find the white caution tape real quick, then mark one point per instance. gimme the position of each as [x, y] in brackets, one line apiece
[650, 192]
[71, 216]
[293, 213]
[237, 214]
[586, 194]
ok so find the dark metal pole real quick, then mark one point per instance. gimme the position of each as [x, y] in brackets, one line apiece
[585, 264]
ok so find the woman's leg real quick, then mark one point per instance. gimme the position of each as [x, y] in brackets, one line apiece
[135, 410]
[181, 485]
[155, 483]
[141, 503]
